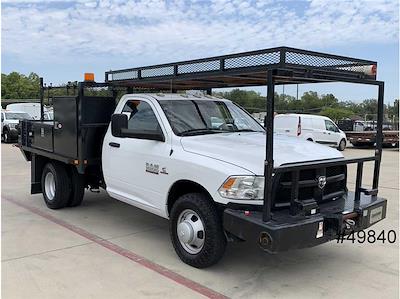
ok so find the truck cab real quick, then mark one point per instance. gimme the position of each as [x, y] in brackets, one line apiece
[171, 139]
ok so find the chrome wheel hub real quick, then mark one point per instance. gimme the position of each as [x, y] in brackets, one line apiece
[50, 186]
[190, 231]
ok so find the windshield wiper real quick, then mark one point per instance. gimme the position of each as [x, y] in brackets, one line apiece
[246, 130]
[193, 132]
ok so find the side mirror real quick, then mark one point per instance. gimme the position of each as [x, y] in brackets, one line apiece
[118, 122]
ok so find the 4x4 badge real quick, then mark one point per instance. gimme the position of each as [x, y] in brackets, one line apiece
[321, 182]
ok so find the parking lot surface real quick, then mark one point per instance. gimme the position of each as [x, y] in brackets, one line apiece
[108, 249]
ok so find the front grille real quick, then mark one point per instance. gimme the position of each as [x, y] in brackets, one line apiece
[308, 185]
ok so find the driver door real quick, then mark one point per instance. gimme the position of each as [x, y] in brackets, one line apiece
[332, 133]
[136, 173]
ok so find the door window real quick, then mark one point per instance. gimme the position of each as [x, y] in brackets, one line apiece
[2, 117]
[330, 126]
[141, 117]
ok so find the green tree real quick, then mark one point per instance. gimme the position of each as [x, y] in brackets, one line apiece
[19, 86]
[393, 111]
[336, 113]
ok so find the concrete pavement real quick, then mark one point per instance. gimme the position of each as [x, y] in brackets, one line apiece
[42, 259]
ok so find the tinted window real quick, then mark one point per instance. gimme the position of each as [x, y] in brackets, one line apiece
[141, 117]
[330, 126]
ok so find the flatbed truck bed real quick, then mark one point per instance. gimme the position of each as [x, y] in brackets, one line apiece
[368, 138]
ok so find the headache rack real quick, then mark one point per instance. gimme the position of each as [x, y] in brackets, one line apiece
[270, 67]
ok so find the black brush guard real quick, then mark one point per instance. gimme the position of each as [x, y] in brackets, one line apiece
[308, 223]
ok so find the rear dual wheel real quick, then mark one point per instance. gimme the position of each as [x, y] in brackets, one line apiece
[61, 186]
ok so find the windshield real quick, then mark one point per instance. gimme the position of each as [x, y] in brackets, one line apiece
[196, 117]
[17, 116]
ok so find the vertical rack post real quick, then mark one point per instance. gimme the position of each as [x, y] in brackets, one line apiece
[379, 136]
[269, 151]
[41, 93]
[357, 194]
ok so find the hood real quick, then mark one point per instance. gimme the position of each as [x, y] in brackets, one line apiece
[247, 150]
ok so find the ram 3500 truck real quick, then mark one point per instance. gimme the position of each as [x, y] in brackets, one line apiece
[203, 163]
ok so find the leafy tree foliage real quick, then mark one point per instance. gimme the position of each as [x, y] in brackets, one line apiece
[19, 86]
[312, 102]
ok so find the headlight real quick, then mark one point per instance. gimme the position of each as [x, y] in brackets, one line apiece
[243, 187]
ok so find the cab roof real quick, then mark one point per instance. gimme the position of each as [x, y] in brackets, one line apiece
[176, 97]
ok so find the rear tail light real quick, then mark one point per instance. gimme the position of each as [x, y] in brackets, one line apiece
[373, 69]
[299, 127]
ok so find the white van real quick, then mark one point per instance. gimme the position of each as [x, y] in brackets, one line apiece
[33, 109]
[314, 128]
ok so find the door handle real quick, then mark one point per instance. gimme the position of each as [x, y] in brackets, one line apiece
[114, 144]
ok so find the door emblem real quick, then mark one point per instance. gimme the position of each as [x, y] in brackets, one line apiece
[321, 181]
[152, 168]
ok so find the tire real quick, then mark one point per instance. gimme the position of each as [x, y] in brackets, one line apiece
[342, 145]
[309, 139]
[6, 136]
[214, 241]
[57, 189]
[77, 188]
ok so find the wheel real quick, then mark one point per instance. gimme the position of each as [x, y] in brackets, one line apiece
[196, 231]
[56, 185]
[342, 145]
[6, 136]
[309, 139]
[77, 188]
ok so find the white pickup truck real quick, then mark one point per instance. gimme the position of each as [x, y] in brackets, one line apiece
[190, 159]
[9, 124]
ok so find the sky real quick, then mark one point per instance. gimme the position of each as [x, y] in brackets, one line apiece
[61, 40]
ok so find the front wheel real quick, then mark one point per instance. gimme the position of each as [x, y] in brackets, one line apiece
[196, 231]
[342, 145]
[6, 136]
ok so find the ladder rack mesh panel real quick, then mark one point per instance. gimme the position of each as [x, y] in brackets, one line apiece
[238, 69]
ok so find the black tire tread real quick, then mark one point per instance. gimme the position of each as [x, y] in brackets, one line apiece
[8, 139]
[215, 242]
[77, 188]
[342, 149]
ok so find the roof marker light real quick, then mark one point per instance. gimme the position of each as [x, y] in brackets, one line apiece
[89, 77]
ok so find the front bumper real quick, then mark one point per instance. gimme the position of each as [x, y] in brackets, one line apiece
[284, 232]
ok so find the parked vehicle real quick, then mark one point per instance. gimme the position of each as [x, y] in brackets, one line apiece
[203, 162]
[368, 138]
[10, 123]
[33, 109]
[316, 128]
